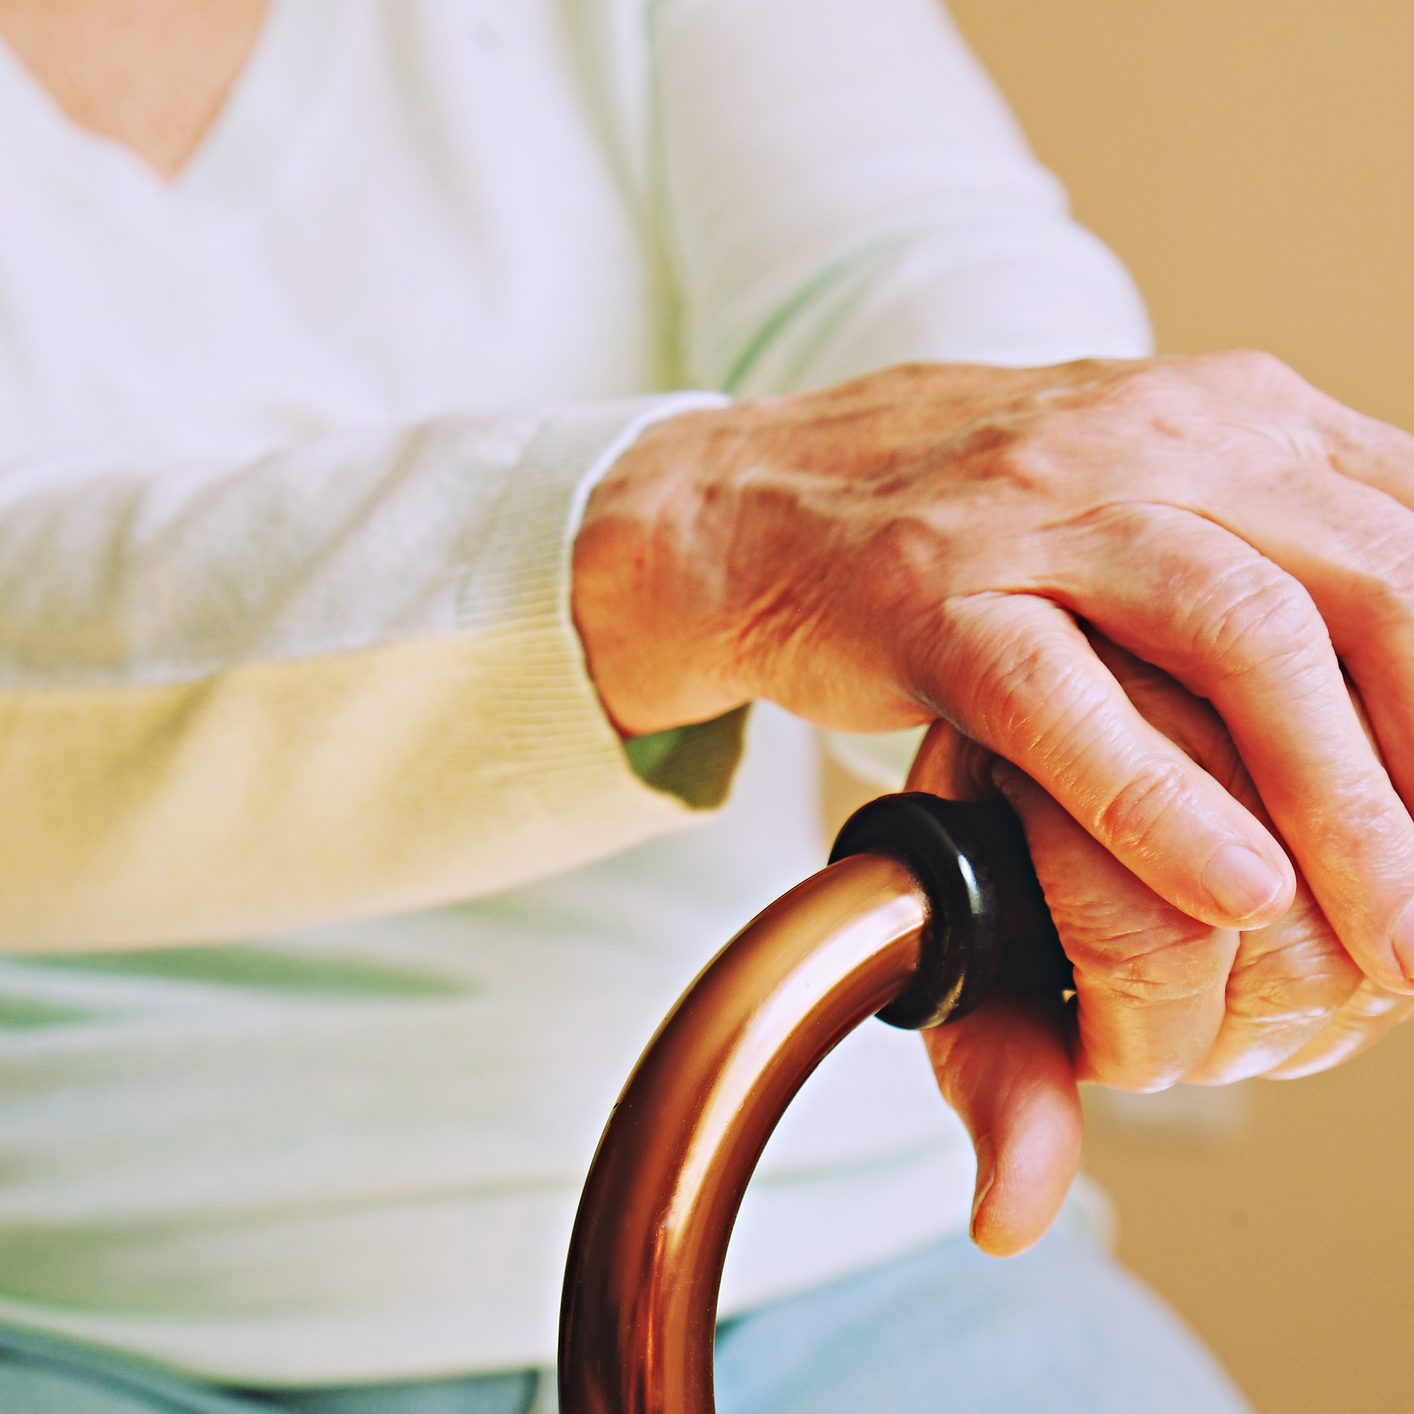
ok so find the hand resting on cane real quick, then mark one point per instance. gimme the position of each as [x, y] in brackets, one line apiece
[923, 544]
[919, 544]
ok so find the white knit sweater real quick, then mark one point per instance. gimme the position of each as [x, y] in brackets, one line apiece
[291, 456]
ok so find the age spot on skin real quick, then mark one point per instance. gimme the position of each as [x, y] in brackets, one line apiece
[990, 439]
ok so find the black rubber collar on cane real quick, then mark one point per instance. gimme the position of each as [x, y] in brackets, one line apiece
[988, 923]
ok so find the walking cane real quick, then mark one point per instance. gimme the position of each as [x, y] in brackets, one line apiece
[921, 903]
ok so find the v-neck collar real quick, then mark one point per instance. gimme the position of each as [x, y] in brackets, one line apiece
[239, 154]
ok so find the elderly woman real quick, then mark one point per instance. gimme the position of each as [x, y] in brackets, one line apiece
[426, 427]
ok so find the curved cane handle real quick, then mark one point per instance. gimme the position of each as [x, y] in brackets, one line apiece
[913, 917]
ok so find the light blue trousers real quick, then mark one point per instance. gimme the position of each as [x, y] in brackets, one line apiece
[1062, 1330]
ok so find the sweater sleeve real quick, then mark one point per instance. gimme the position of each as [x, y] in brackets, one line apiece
[843, 189]
[340, 680]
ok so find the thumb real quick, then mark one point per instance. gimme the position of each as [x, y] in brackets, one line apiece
[1007, 1072]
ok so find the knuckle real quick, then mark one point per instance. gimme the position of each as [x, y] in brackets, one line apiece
[1290, 986]
[1255, 617]
[1140, 391]
[1142, 811]
[1009, 665]
[1387, 590]
[1008, 689]
[1183, 965]
[1247, 368]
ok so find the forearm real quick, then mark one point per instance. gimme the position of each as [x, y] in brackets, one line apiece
[340, 680]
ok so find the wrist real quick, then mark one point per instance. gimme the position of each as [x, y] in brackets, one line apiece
[655, 636]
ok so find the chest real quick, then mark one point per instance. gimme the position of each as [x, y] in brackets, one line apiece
[148, 74]
[402, 209]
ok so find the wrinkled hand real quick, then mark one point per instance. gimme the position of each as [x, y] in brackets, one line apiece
[921, 543]
[1160, 998]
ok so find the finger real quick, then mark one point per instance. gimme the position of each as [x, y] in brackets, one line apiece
[1352, 546]
[1150, 982]
[1203, 605]
[1288, 985]
[1026, 684]
[1350, 539]
[1368, 1014]
[1006, 1070]
[1288, 980]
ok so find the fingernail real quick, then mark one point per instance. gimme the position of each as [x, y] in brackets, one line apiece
[1402, 940]
[1241, 882]
[986, 1177]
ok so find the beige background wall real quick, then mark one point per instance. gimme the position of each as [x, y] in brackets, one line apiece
[1253, 161]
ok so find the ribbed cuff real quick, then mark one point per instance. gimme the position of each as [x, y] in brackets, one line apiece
[560, 738]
